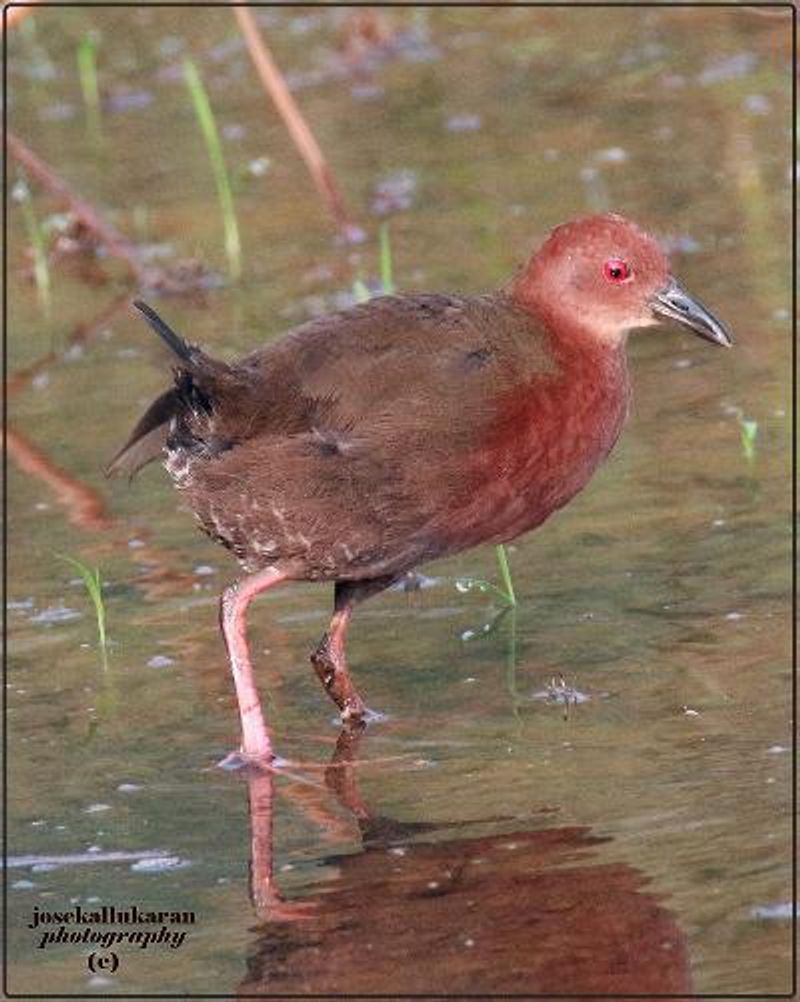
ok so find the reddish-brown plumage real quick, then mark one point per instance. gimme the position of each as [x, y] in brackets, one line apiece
[551, 434]
[411, 427]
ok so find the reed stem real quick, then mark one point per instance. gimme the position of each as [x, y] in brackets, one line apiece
[302, 136]
[87, 73]
[94, 587]
[505, 574]
[386, 267]
[41, 267]
[208, 127]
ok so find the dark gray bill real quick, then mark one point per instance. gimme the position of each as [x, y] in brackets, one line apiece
[676, 303]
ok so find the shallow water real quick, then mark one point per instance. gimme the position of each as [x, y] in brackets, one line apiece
[637, 840]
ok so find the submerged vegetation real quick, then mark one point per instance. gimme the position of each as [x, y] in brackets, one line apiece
[386, 264]
[505, 575]
[21, 194]
[748, 432]
[94, 589]
[87, 74]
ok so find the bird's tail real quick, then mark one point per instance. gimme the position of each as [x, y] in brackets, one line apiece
[172, 340]
[195, 377]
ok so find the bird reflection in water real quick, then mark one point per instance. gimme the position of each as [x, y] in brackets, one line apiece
[420, 911]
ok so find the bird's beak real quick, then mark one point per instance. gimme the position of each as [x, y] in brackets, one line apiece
[675, 302]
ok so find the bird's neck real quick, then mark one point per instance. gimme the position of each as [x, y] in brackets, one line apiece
[569, 332]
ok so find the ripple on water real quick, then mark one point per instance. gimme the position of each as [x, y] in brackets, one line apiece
[55, 614]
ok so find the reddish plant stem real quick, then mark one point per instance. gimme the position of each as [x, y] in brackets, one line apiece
[114, 242]
[82, 334]
[85, 507]
[287, 108]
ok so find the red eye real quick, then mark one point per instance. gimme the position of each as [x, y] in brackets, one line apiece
[616, 271]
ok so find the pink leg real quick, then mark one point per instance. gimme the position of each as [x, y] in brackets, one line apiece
[256, 744]
[266, 895]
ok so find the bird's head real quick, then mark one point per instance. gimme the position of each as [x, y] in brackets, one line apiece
[602, 275]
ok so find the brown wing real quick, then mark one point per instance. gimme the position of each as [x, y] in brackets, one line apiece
[398, 352]
[354, 433]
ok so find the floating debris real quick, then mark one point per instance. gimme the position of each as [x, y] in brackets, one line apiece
[170, 46]
[55, 614]
[414, 581]
[468, 635]
[22, 603]
[160, 661]
[259, 166]
[611, 155]
[128, 100]
[395, 192]
[463, 123]
[159, 865]
[741, 64]
[58, 111]
[783, 911]
[757, 104]
[81, 858]
[367, 92]
[305, 23]
[233, 131]
[558, 692]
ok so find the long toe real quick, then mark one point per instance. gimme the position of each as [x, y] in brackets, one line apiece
[357, 715]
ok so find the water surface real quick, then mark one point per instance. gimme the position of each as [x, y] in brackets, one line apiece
[639, 841]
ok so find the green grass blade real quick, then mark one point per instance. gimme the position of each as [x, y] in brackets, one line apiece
[41, 267]
[387, 276]
[467, 584]
[87, 73]
[208, 127]
[748, 432]
[360, 291]
[511, 663]
[94, 587]
[505, 574]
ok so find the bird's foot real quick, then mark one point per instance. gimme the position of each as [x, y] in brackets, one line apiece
[356, 718]
[274, 908]
[332, 670]
[366, 716]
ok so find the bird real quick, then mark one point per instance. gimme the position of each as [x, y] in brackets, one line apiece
[366, 442]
